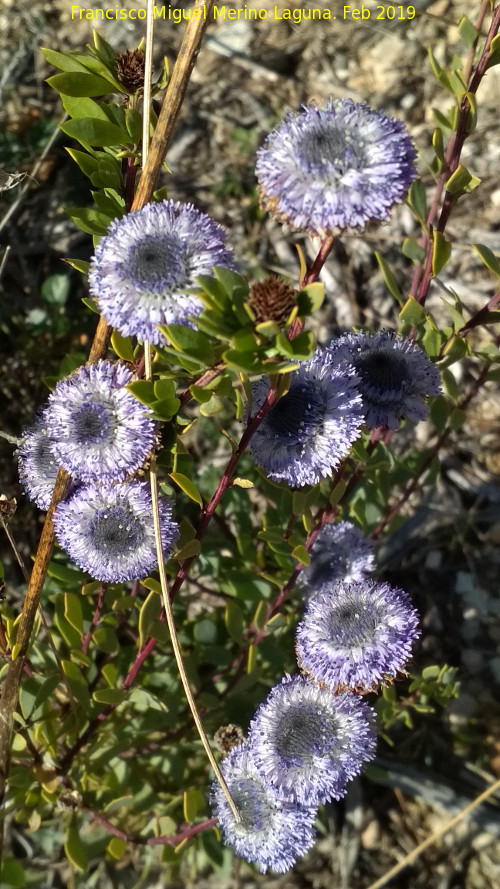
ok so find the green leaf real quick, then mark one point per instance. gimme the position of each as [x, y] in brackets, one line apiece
[63, 61]
[143, 390]
[150, 611]
[81, 266]
[193, 802]
[235, 622]
[122, 345]
[87, 163]
[412, 312]
[389, 279]
[79, 84]
[73, 611]
[113, 696]
[55, 289]
[91, 221]
[461, 182]
[91, 304]
[412, 250]
[74, 848]
[188, 486]
[104, 637]
[300, 553]
[94, 131]
[467, 31]
[191, 342]
[12, 874]
[133, 121]
[190, 549]
[310, 298]
[260, 616]
[417, 200]
[441, 252]
[116, 848]
[488, 258]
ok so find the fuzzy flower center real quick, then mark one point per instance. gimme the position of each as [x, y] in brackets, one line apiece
[157, 263]
[116, 531]
[93, 423]
[353, 623]
[253, 804]
[384, 368]
[327, 145]
[298, 415]
[304, 732]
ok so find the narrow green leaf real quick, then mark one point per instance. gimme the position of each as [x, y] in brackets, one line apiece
[63, 61]
[73, 611]
[441, 252]
[133, 121]
[310, 298]
[116, 848]
[467, 31]
[389, 279]
[412, 250]
[235, 623]
[143, 391]
[260, 616]
[193, 802]
[85, 161]
[461, 182]
[79, 264]
[488, 258]
[150, 611]
[94, 222]
[190, 549]
[74, 848]
[417, 200]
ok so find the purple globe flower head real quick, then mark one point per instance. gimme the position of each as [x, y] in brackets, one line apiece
[272, 832]
[307, 743]
[340, 552]
[303, 438]
[395, 376]
[108, 531]
[98, 430]
[144, 266]
[37, 463]
[355, 635]
[328, 169]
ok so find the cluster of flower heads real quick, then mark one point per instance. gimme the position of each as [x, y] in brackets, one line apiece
[360, 379]
[314, 732]
[101, 435]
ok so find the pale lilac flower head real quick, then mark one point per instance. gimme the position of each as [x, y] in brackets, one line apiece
[145, 265]
[342, 166]
[108, 531]
[340, 552]
[37, 463]
[272, 832]
[355, 635]
[395, 376]
[98, 430]
[303, 438]
[307, 743]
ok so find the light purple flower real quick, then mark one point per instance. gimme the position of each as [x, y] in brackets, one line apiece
[337, 167]
[144, 267]
[307, 743]
[272, 832]
[355, 635]
[340, 552]
[303, 438]
[98, 430]
[108, 531]
[37, 463]
[395, 376]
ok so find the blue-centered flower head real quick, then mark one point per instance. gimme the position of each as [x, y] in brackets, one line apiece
[37, 463]
[355, 635]
[303, 438]
[98, 430]
[144, 266]
[108, 531]
[307, 743]
[395, 376]
[327, 169]
[272, 832]
[340, 552]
